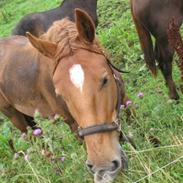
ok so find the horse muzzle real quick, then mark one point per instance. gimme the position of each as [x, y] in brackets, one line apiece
[107, 173]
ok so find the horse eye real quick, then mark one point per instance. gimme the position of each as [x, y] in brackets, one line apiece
[104, 82]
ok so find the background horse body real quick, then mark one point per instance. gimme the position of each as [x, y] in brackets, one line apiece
[152, 17]
[30, 78]
[38, 23]
[53, 75]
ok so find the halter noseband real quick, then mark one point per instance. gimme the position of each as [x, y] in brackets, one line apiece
[106, 127]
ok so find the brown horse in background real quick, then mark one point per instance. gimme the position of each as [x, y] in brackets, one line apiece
[152, 17]
[38, 23]
[65, 72]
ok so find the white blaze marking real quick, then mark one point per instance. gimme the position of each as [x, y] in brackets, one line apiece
[77, 76]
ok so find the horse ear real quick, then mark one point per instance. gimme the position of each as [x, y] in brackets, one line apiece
[45, 47]
[85, 25]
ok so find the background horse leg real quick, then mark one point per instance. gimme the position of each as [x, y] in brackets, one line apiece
[16, 117]
[164, 56]
[30, 121]
[146, 45]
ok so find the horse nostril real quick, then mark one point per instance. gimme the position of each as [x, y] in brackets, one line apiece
[115, 165]
[89, 166]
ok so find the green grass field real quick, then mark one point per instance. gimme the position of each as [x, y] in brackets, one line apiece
[62, 158]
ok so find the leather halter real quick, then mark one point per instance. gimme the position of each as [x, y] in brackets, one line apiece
[106, 126]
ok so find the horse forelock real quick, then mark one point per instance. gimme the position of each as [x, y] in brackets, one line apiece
[64, 33]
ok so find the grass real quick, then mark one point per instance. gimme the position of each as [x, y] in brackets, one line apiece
[156, 116]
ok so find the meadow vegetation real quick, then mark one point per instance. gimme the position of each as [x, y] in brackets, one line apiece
[57, 156]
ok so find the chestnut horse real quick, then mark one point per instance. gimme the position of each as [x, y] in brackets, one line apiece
[38, 23]
[152, 17]
[65, 72]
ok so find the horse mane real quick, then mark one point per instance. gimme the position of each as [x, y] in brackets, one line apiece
[64, 33]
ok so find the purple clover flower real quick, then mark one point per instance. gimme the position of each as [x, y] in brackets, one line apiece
[37, 132]
[122, 107]
[62, 159]
[128, 102]
[140, 95]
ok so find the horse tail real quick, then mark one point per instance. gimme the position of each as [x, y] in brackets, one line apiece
[145, 41]
[175, 40]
